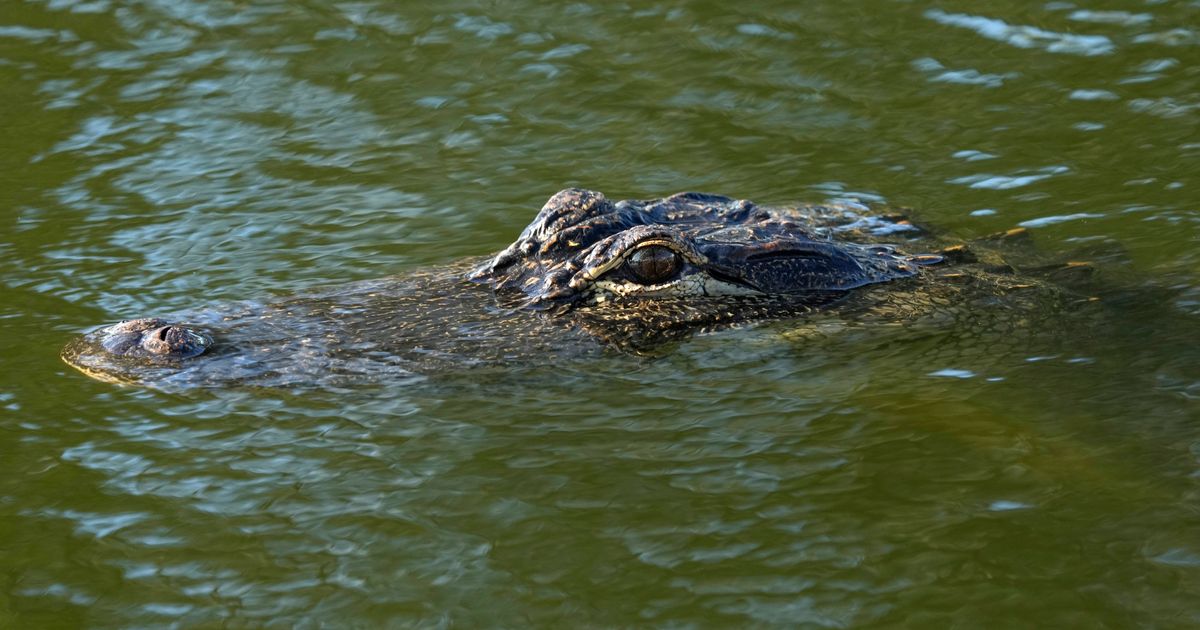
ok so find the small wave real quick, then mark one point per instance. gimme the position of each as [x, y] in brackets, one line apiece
[1026, 36]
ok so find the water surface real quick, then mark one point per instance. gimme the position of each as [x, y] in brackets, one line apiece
[163, 155]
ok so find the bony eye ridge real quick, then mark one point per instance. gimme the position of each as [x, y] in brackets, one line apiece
[653, 264]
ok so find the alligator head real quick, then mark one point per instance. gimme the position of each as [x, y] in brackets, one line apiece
[688, 260]
[631, 273]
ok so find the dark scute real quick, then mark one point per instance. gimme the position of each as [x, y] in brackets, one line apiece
[793, 272]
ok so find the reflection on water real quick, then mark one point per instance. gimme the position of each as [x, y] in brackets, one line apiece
[168, 155]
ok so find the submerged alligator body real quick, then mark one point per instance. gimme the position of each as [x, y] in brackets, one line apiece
[585, 275]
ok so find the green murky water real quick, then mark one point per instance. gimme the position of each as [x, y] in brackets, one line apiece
[164, 154]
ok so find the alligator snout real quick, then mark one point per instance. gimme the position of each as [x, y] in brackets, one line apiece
[153, 337]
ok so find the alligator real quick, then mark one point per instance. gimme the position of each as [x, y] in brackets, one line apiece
[587, 275]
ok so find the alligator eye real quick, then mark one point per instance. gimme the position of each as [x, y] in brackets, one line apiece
[653, 264]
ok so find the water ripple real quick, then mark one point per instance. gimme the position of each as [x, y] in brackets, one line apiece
[1026, 36]
[172, 153]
